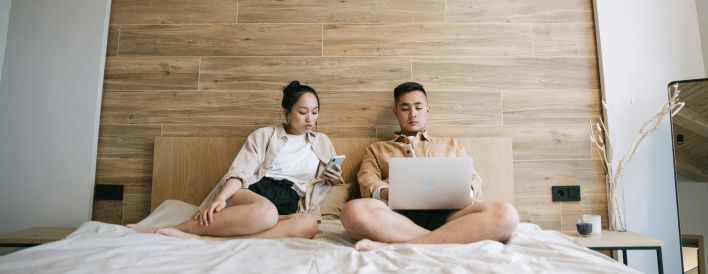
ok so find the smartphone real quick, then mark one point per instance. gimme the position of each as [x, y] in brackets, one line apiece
[339, 159]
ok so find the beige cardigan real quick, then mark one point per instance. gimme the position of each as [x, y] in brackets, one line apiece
[257, 155]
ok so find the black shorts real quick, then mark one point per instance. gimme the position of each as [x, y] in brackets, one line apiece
[278, 192]
[428, 219]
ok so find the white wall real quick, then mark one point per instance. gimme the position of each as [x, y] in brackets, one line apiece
[693, 205]
[702, 6]
[644, 45]
[49, 108]
[4, 19]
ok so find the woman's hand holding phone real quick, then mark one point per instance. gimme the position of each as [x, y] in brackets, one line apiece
[333, 170]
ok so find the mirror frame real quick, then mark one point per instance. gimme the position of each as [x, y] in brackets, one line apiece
[673, 154]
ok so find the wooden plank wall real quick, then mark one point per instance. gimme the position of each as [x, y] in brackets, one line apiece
[525, 69]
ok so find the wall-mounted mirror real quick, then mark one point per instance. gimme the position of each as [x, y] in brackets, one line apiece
[690, 133]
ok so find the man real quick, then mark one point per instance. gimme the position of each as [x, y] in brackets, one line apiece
[371, 221]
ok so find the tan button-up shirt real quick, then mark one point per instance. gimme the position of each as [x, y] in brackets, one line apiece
[256, 157]
[373, 172]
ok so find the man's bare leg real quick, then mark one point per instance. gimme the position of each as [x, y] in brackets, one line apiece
[479, 221]
[246, 213]
[299, 225]
[372, 222]
[366, 220]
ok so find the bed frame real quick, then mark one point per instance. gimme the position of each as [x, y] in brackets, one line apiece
[187, 168]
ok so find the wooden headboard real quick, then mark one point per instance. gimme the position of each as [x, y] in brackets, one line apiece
[187, 168]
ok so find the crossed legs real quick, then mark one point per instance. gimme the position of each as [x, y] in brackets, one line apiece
[374, 224]
[247, 215]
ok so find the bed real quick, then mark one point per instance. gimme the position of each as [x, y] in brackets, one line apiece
[186, 168]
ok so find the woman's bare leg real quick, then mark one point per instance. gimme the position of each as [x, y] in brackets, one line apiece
[246, 213]
[299, 225]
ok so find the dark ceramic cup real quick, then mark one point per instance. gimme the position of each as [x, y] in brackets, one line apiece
[584, 229]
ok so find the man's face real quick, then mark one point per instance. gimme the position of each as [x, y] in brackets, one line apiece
[412, 112]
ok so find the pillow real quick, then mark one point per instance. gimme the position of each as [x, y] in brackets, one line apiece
[354, 149]
[331, 205]
[170, 212]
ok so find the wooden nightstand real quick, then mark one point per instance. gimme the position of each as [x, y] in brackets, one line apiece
[613, 240]
[34, 236]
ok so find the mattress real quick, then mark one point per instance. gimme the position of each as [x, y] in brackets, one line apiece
[107, 248]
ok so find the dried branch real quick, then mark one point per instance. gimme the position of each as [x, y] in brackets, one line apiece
[600, 139]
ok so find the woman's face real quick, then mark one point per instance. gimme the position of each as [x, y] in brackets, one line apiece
[303, 115]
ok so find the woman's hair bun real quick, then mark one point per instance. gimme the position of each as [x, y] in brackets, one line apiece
[293, 91]
[293, 86]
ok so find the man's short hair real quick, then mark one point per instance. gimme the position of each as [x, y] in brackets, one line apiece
[407, 87]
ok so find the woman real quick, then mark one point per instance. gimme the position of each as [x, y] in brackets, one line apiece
[274, 186]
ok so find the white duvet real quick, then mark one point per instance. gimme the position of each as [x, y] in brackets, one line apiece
[99, 247]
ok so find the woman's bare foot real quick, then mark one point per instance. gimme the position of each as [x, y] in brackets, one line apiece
[367, 245]
[142, 228]
[173, 232]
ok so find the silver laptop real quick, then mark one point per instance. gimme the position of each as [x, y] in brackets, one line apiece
[429, 183]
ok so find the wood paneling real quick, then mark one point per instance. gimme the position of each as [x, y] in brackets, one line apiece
[463, 73]
[173, 11]
[116, 171]
[494, 163]
[221, 40]
[127, 141]
[244, 130]
[349, 108]
[349, 131]
[550, 107]
[189, 107]
[187, 168]
[167, 73]
[463, 108]
[355, 149]
[695, 95]
[206, 160]
[688, 167]
[35, 236]
[513, 11]
[539, 210]
[694, 147]
[107, 211]
[535, 178]
[323, 73]
[551, 142]
[216, 68]
[541, 142]
[693, 121]
[113, 35]
[564, 40]
[428, 39]
[209, 130]
[338, 11]
[589, 204]
[137, 202]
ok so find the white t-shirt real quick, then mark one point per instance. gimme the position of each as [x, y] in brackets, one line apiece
[296, 162]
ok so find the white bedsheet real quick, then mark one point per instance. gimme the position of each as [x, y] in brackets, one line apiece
[100, 247]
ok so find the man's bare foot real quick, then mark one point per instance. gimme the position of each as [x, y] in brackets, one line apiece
[142, 228]
[173, 232]
[367, 245]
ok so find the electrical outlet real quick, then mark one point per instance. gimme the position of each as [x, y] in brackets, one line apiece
[565, 193]
[108, 192]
